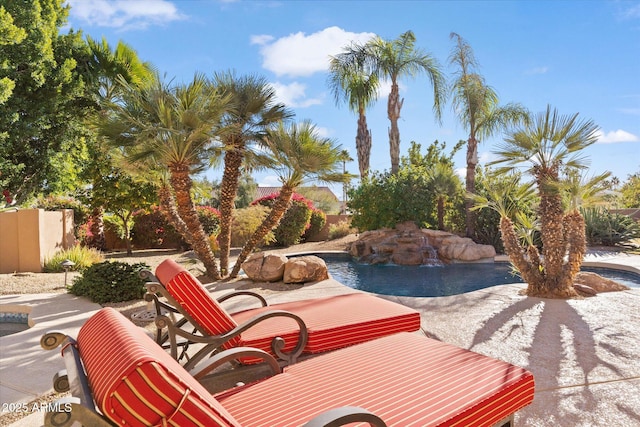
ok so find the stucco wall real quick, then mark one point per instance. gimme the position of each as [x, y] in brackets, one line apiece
[324, 233]
[29, 236]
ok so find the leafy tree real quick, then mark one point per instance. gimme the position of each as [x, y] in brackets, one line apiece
[445, 183]
[547, 145]
[630, 191]
[252, 110]
[476, 105]
[394, 59]
[42, 96]
[172, 128]
[299, 155]
[121, 195]
[352, 83]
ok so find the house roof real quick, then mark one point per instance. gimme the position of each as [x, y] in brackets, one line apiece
[265, 191]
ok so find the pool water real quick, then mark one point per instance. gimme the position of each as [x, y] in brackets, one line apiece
[428, 281]
[11, 323]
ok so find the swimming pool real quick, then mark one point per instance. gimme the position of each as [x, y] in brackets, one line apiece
[427, 281]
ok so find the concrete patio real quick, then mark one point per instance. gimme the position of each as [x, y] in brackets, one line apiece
[584, 354]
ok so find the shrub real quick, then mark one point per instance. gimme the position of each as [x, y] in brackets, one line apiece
[605, 228]
[317, 221]
[81, 256]
[110, 281]
[295, 220]
[340, 229]
[210, 219]
[245, 222]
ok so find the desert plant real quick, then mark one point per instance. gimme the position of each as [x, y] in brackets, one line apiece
[607, 228]
[110, 281]
[245, 222]
[81, 256]
[340, 229]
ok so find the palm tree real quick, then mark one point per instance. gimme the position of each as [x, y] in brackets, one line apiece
[444, 183]
[393, 59]
[299, 155]
[254, 109]
[350, 82]
[546, 146]
[476, 105]
[173, 127]
[344, 158]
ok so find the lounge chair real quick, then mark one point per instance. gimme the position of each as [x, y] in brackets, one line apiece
[399, 380]
[286, 330]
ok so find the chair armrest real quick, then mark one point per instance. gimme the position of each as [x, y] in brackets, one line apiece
[219, 359]
[214, 342]
[246, 293]
[343, 416]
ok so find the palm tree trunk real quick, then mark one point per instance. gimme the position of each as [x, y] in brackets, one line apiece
[168, 207]
[528, 270]
[97, 229]
[472, 162]
[228, 192]
[574, 227]
[440, 213]
[394, 105]
[363, 144]
[270, 222]
[181, 183]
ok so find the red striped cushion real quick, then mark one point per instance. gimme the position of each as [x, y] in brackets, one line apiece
[135, 383]
[332, 322]
[406, 379]
[195, 299]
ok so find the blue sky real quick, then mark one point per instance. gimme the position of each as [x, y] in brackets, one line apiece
[577, 56]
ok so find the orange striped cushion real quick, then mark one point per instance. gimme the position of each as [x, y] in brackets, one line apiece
[195, 299]
[406, 379]
[332, 322]
[135, 383]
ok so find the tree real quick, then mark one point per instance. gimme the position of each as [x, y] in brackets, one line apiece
[253, 110]
[42, 96]
[172, 127]
[352, 83]
[121, 195]
[631, 191]
[299, 155]
[394, 59]
[445, 183]
[546, 146]
[476, 105]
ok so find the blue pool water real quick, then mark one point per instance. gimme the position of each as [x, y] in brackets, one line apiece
[426, 281]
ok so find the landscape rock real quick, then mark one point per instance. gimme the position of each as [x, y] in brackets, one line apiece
[261, 267]
[597, 283]
[304, 269]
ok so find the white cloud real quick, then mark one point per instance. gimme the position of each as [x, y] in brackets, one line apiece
[537, 70]
[294, 95]
[616, 136]
[124, 14]
[631, 111]
[300, 54]
[270, 181]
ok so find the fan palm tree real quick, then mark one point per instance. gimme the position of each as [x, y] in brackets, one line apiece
[299, 155]
[477, 108]
[172, 126]
[350, 82]
[254, 109]
[547, 145]
[392, 60]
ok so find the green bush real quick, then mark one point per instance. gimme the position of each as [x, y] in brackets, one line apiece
[295, 220]
[317, 221]
[340, 229]
[110, 281]
[605, 228]
[245, 222]
[81, 256]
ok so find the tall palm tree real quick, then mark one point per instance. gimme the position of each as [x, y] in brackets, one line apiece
[299, 155]
[172, 126]
[546, 146]
[350, 81]
[394, 59]
[476, 105]
[254, 109]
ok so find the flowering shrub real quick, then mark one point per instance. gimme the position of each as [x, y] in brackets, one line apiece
[317, 221]
[294, 222]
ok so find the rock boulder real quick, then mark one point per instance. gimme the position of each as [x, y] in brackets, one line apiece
[304, 269]
[261, 267]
